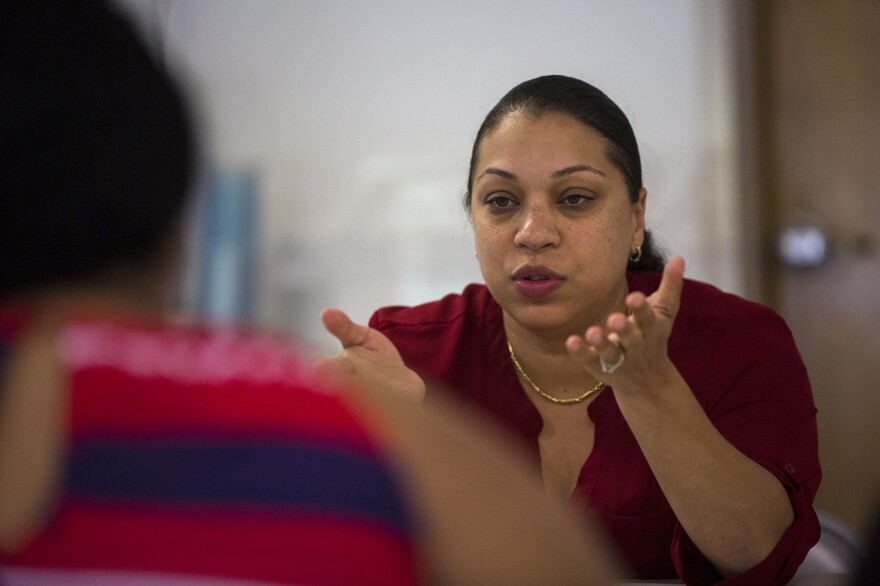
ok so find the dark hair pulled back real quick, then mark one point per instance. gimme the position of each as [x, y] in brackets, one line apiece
[589, 105]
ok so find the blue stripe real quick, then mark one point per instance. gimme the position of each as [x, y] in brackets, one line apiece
[250, 474]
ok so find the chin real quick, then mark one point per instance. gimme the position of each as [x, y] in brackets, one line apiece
[542, 319]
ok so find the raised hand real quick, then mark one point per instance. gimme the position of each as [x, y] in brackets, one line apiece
[630, 351]
[368, 358]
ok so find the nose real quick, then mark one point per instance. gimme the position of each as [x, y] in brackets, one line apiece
[538, 228]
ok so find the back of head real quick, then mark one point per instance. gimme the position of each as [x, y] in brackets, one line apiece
[95, 145]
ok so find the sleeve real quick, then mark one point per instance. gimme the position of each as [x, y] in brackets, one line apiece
[424, 347]
[764, 407]
[408, 338]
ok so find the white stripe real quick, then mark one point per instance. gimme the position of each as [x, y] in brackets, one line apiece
[219, 356]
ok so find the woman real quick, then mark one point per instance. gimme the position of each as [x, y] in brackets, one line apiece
[136, 450]
[679, 414]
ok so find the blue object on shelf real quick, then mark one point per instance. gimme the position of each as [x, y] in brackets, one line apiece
[227, 275]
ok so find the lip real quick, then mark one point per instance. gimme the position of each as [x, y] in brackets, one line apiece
[524, 279]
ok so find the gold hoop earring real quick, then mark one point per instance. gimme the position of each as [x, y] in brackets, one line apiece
[636, 256]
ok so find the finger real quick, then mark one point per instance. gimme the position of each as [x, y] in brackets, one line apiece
[575, 345]
[617, 322]
[637, 303]
[595, 336]
[668, 295]
[606, 345]
[642, 316]
[340, 325]
[620, 327]
[581, 351]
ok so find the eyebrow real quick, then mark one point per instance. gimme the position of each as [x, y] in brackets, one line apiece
[575, 169]
[556, 174]
[499, 172]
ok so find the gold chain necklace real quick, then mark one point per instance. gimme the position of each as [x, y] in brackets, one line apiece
[548, 396]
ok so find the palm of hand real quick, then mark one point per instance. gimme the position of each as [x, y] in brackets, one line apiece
[368, 359]
[641, 336]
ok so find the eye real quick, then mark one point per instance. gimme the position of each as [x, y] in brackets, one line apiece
[577, 199]
[499, 201]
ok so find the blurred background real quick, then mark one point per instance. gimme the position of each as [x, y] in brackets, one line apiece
[337, 136]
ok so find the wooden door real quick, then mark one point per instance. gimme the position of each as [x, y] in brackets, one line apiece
[815, 86]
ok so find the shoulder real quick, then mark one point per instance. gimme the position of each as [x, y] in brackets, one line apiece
[717, 335]
[737, 323]
[703, 301]
[432, 337]
[722, 341]
[741, 333]
[474, 302]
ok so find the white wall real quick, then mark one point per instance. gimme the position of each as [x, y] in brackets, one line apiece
[359, 116]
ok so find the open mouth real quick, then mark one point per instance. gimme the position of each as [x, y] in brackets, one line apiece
[535, 273]
[536, 282]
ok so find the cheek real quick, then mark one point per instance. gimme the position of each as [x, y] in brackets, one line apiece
[592, 236]
[484, 247]
[490, 249]
[600, 242]
[484, 235]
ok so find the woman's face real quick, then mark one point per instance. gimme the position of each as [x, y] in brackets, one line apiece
[553, 222]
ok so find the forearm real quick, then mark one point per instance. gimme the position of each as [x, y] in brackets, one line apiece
[733, 509]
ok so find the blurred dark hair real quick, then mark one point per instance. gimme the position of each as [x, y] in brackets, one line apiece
[96, 148]
[590, 106]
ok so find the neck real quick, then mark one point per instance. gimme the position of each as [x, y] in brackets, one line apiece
[544, 357]
[547, 363]
[120, 293]
[552, 342]
[32, 412]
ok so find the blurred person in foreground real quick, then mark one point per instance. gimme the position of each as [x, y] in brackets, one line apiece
[137, 450]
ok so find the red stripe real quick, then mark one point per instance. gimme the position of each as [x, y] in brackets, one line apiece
[109, 402]
[258, 546]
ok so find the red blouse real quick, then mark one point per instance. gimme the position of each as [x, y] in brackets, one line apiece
[739, 359]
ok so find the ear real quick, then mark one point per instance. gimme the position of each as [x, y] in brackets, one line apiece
[638, 218]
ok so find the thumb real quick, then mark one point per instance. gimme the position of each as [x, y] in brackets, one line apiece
[340, 325]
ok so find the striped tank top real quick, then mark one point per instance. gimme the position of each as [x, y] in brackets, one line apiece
[210, 457]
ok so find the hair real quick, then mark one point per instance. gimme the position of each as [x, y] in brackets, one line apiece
[594, 109]
[96, 148]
